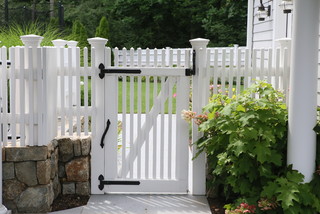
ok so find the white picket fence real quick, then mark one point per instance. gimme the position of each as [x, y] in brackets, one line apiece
[170, 56]
[42, 89]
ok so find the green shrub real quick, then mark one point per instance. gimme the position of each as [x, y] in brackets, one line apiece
[245, 138]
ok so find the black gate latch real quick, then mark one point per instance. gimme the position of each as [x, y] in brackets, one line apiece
[116, 71]
[192, 71]
[102, 182]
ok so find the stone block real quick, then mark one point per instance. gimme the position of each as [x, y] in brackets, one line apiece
[68, 189]
[77, 147]
[83, 188]
[26, 172]
[55, 143]
[78, 170]
[65, 149]
[85, 146]
[50, 149]
[44, 171]
[29, 153]
[12, 189]
[56, 187]
[35, 199]
[54, 165]
[61, 171]
[8, 170]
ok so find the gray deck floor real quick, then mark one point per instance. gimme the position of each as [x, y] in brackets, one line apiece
[142, 204]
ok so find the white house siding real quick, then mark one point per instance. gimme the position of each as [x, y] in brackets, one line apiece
[262, 30]
[264, 34]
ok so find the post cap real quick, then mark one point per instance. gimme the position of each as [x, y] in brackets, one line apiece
[31, 40]
[199, 42]
[72, 43]
[59, 42]
[97, 41]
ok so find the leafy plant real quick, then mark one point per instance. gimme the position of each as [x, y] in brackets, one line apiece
[245, 139]
[293, 195]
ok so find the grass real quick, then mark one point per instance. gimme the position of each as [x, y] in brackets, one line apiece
[143, 96]
[10, 36]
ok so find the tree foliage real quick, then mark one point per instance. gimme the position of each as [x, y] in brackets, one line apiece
[151, 23]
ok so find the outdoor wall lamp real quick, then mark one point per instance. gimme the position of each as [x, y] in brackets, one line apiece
[286, 6]
[263, 12]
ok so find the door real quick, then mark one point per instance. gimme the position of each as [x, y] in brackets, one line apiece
[145, 140]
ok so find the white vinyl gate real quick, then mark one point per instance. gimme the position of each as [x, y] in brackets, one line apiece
[144, 139]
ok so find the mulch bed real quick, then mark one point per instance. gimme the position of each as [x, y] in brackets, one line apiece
[216, 205]
[64, 202]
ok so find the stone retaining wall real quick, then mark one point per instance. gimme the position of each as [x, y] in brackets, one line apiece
[34, 176]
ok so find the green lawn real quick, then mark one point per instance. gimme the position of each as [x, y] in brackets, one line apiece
[143, 96]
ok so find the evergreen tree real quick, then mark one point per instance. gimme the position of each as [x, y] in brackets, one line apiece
[79, 34]
[103, 28]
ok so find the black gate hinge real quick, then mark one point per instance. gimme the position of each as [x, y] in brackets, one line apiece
[192, 71]
[102, 182]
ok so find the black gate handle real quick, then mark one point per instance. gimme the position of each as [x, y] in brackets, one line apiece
[104, 133]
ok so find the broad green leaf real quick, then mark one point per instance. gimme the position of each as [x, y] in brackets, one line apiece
[269, 191]
[295, 176]
[287, 195]
[262, 152]
[240, 108]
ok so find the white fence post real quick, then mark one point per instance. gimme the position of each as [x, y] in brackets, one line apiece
[98, 120]
[59, 43]
[197, 169]
[32, 85]
[303, 88]
[73, 46]
[50, 63]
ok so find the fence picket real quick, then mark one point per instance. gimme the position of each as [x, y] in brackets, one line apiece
[22, 95]
[147, 147]
[231, 73]
[116, 57]
[238, 70]
[147, 57]
[86, 91]
[162, 135]
[131, 57]
[247, 70]
[12, 81]
[124, 123]
[124, 51]
[139, 57]
[155, 61]
[62, 91]
[132, 147]
[139, 165]
[39, 99]
[277, 74]
[78, 90]
[4, 109]
[163, 57]
[155, 127]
